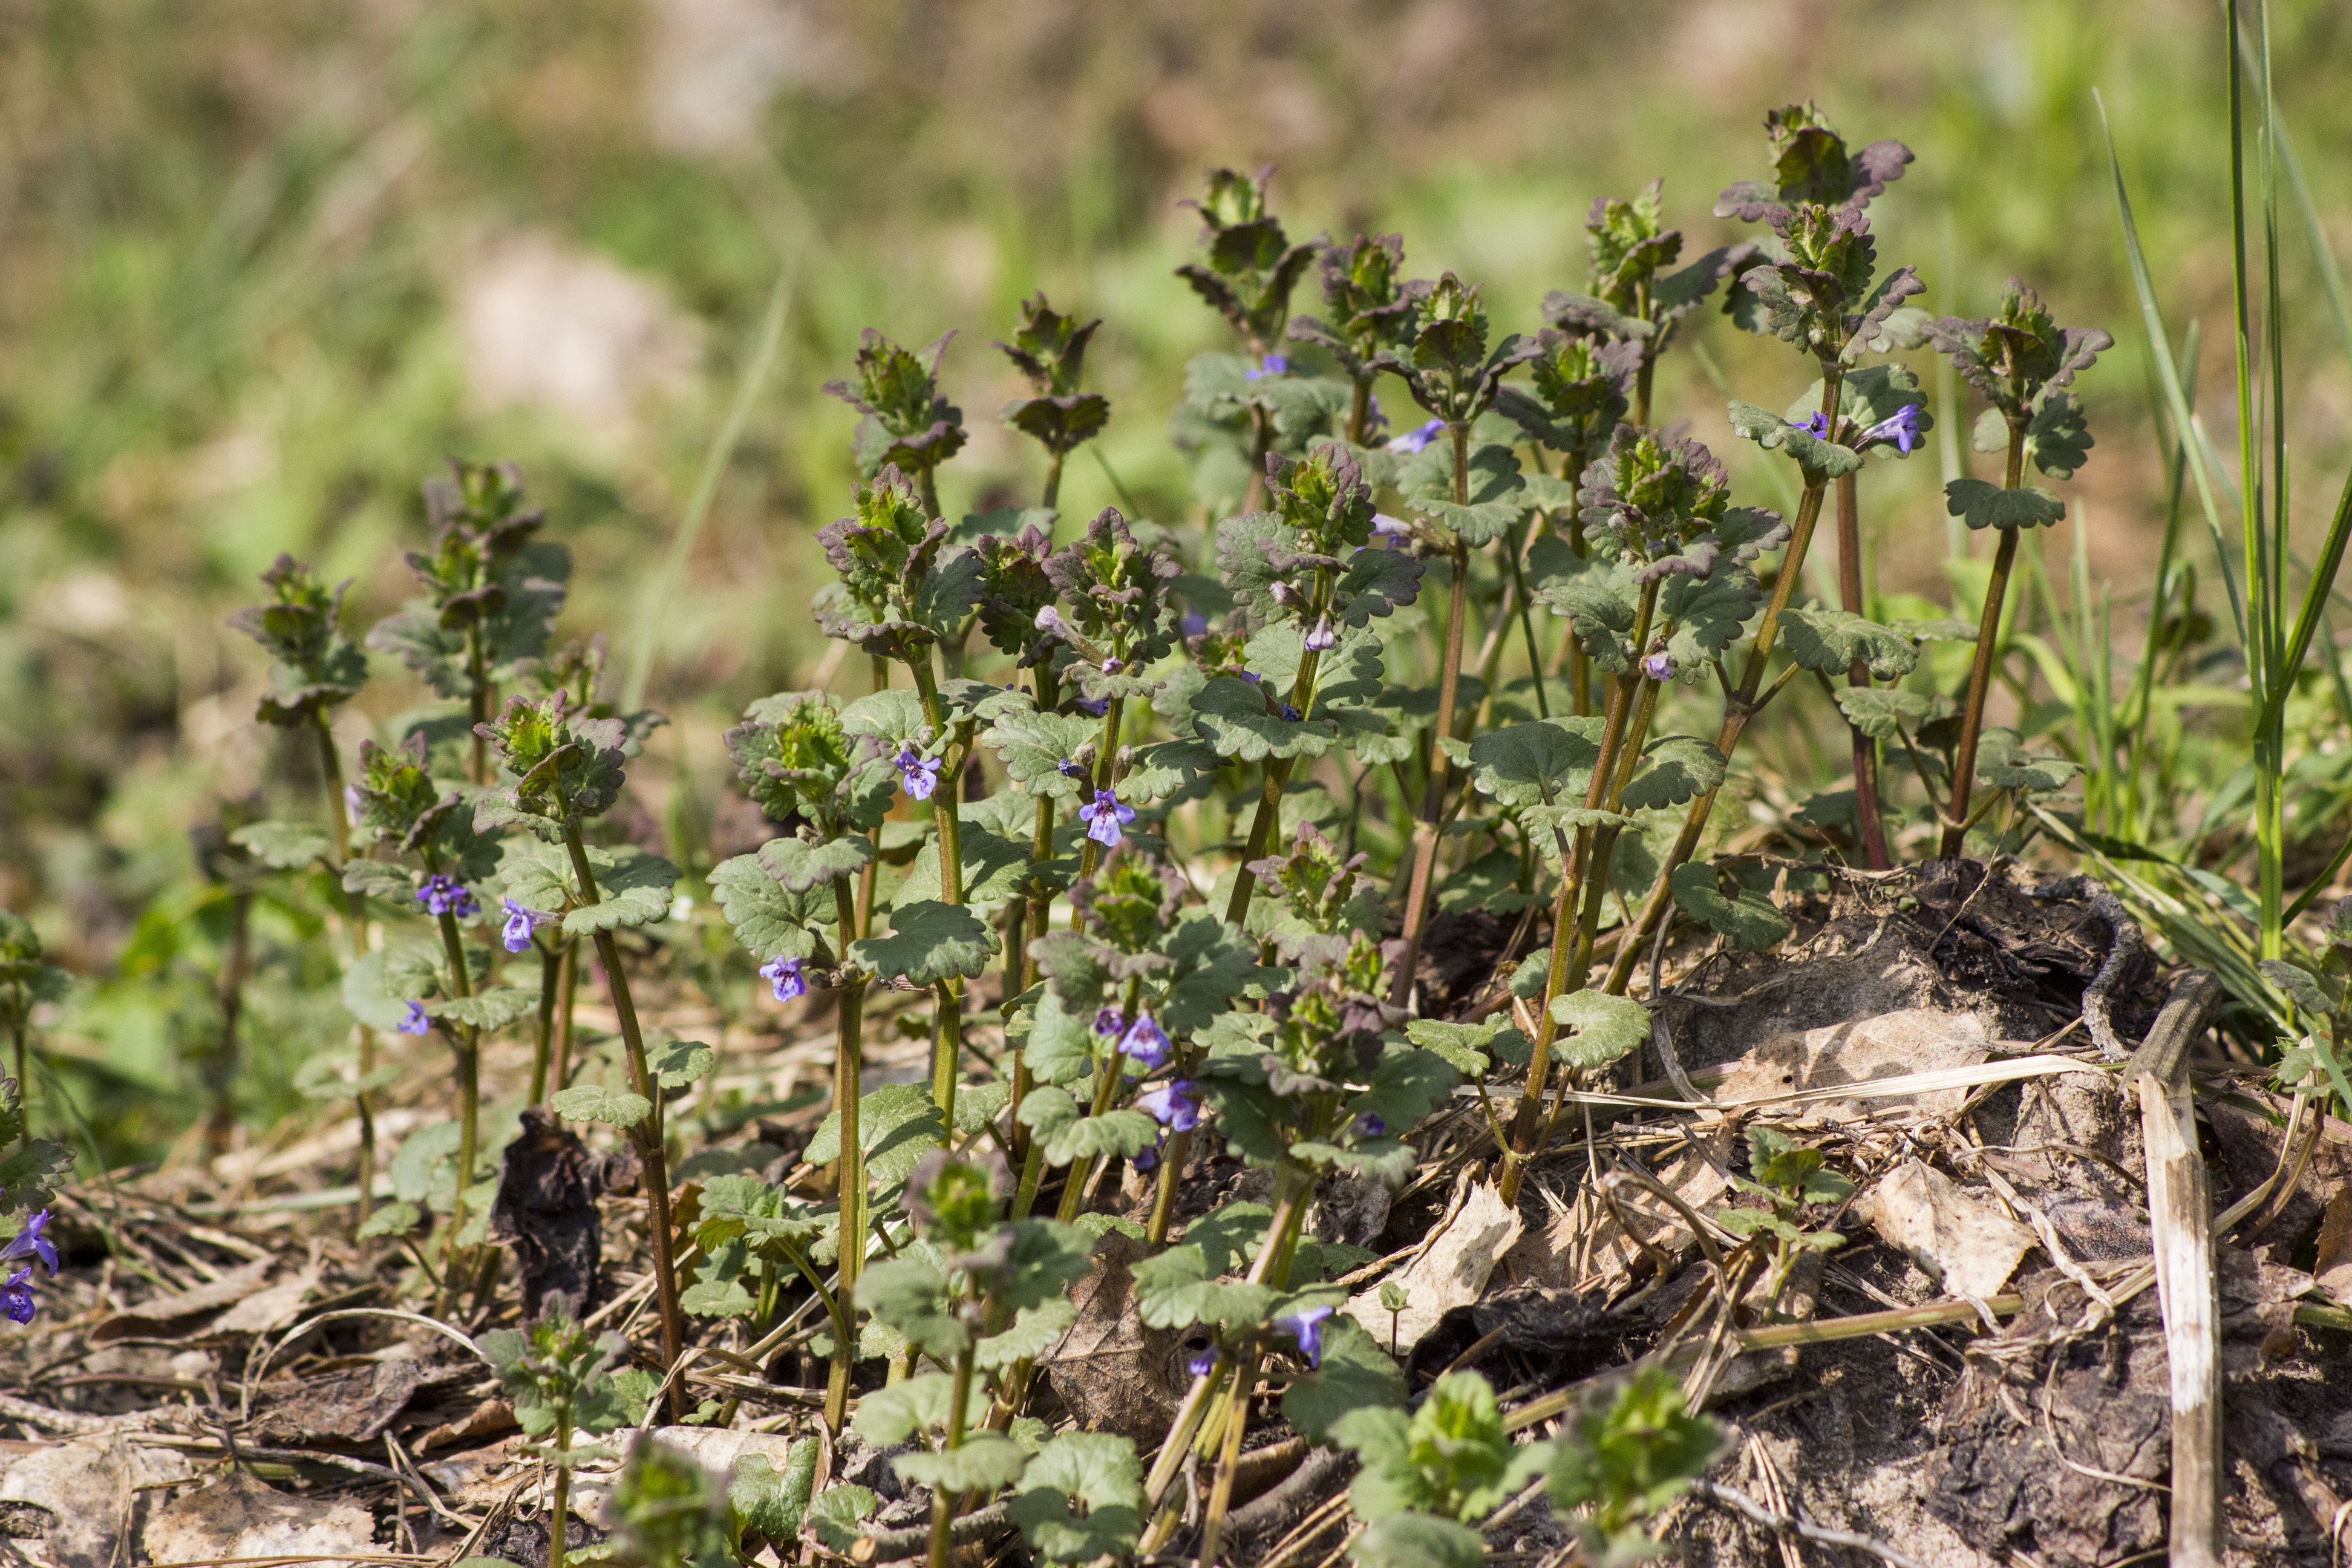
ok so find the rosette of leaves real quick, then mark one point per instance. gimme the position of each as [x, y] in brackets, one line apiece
[1448, 366]
[1049, 349]
[1579, 388]
[314, 668]
[1012, 588]
[1369, 306]
[1631, 298]
[908, 423]
[1791, 1177]
[1114, 595]
[1819, 288]
[1314, 889]
[2023, 364]
[1250, 266]
[667, 1511]
[558, 769]
[1436, 1472]
[801, 766]
[753, 1238]
[491, 591]
[1664, 509]
[1629, 1452]
[1318, 1081]
[896, 597]
[1304, 560]
[401, 805]
[2320, 990]
[559, 1380]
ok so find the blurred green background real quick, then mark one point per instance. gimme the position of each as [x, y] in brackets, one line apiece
[263, 266]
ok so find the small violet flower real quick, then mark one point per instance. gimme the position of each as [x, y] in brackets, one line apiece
[1194, 624]
[351, 803]
[1305, 1326]
[1049, 621]
[16, 1298]
[1371, 1126]
[1103, 816]
[515, 935]
[1202, 1362]
[1322, 639]
[1659, 667]
[447, 896]
[1069, 770]
[1271, 365]
[1817, 426]
[1148, 1160]
[1418, 437]
[1092, 707]
[1901, 427]
[786, 974]
[1175, 1105]
[415, 1022]
[1109, 1021]
[1112, 666]
[1290, 714]
[1373, 418]
[1252, 676]
[1144, 1044]
[31, 1243]
[919, 774]
[1389, 532]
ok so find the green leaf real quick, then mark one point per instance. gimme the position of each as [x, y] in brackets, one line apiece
[1830, 640]
[1601, 1027]
[982, 1462]
[996, 869]
[594, 1102]
[1548, 761]
[716, 1298]
[368, 996]
[799, 865]
[773, 1505]
[895, 714]
[392, 1219]
[912, 1296]
[898, 1123]
[928, 941]
[1707, 614]
[1034, 745]
[1233, 717]
[1174, 1290]
[1885, 713]
[769, 921]
[1419, 1541]
[1094, 1469]
[1677, 768]
[633, 888]
[1404, 1085]
[491, 1009]
[1169, 768]
[677, 1063]
[1990, 506]
[1748, 918]
[834, 1515]
[1817, 458]
[288, 846]
[1034, 1331]
[1065, 1135]
[1354, 1371]
[899, 1411]
[2003, 763]
[2307, 991]
[978, 1105]
[1469, 1046]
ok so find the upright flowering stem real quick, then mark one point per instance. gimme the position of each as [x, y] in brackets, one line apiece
[559, 1513]
[1964, 759]
[647, 1132]
[464, 1044]
[1449, 686]
[1741, 706]
[355, 927]
[947, 1054]
[550, 994]
[567, 985]
[848, 1053]
[477, 699]
[1106, 777]
[1866, 750]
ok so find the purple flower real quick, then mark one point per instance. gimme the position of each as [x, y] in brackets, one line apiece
[1901, 427]
[415, 1022]
[1418, 437]
[31, 1243]
[1069, 770]
[1290, 714]
[1049, 621]
[1371, 1126]
[1252, 676]
[1112, 666]
[786, 973]
[919, 774]
[1144, 1043]
[1202, 1362]
[17, 1297]
[1373, 418]
[1103, 816]
[1305, 1326]
[351, 803]
[1322, 637]
[1148, 1160]
[1092, 707]
[1109, 1021]
[1283, 594]
[1659, 666]
[1194, 624]
[515, 935]
[1271, 365]
[447, 896]
[1817, 426]
[1175, 1105]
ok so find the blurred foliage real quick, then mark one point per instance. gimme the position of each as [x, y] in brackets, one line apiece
[262, 266]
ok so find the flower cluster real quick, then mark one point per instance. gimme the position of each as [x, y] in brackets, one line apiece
[17, 1293]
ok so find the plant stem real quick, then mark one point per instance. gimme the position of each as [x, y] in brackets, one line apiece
[1449, 686]
[1526, 620]
[477, 699]
[1866, 750]
[464, 1046]
[235, 965]
[1221, 1491]
[1359, 407]
[1051, 498]
[1964, 759]
[847, 1060]
[559, 1515]
[331, 763]
[16, 1033]
[551, 991]
[1737, 709]
[567, 983]
[943, 1501]
[948, 1039]
[647, 1132]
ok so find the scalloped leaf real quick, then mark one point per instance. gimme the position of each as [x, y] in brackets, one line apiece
[634, 890]
[491, 1009]
[1034, 745]
[1816, 457]
[898, 1124]
[982, 1462]
[1674, 770]
[1548, 761]
[595, 1102]
[1231, 716]
[1598, 1028]
[768, 921]
[1987, 505]
[928, 942]
[1884, 712]
[286, 846]
[1748, 918]
[1830, 640]
[1065, 1134]
[677, 1063]
[1470, 1048]
[798, 866]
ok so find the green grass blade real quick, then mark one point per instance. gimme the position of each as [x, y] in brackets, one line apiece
[2186, 431]
[714, 468]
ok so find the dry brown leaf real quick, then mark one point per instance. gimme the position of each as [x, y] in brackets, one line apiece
[236, 1516]
[2333, 1266]
[88, 1488]
[1916, 1039]
[265, 1309]
[1451, 1274]
[1115, 1375]
[1963, 1241]
[154, 1316]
